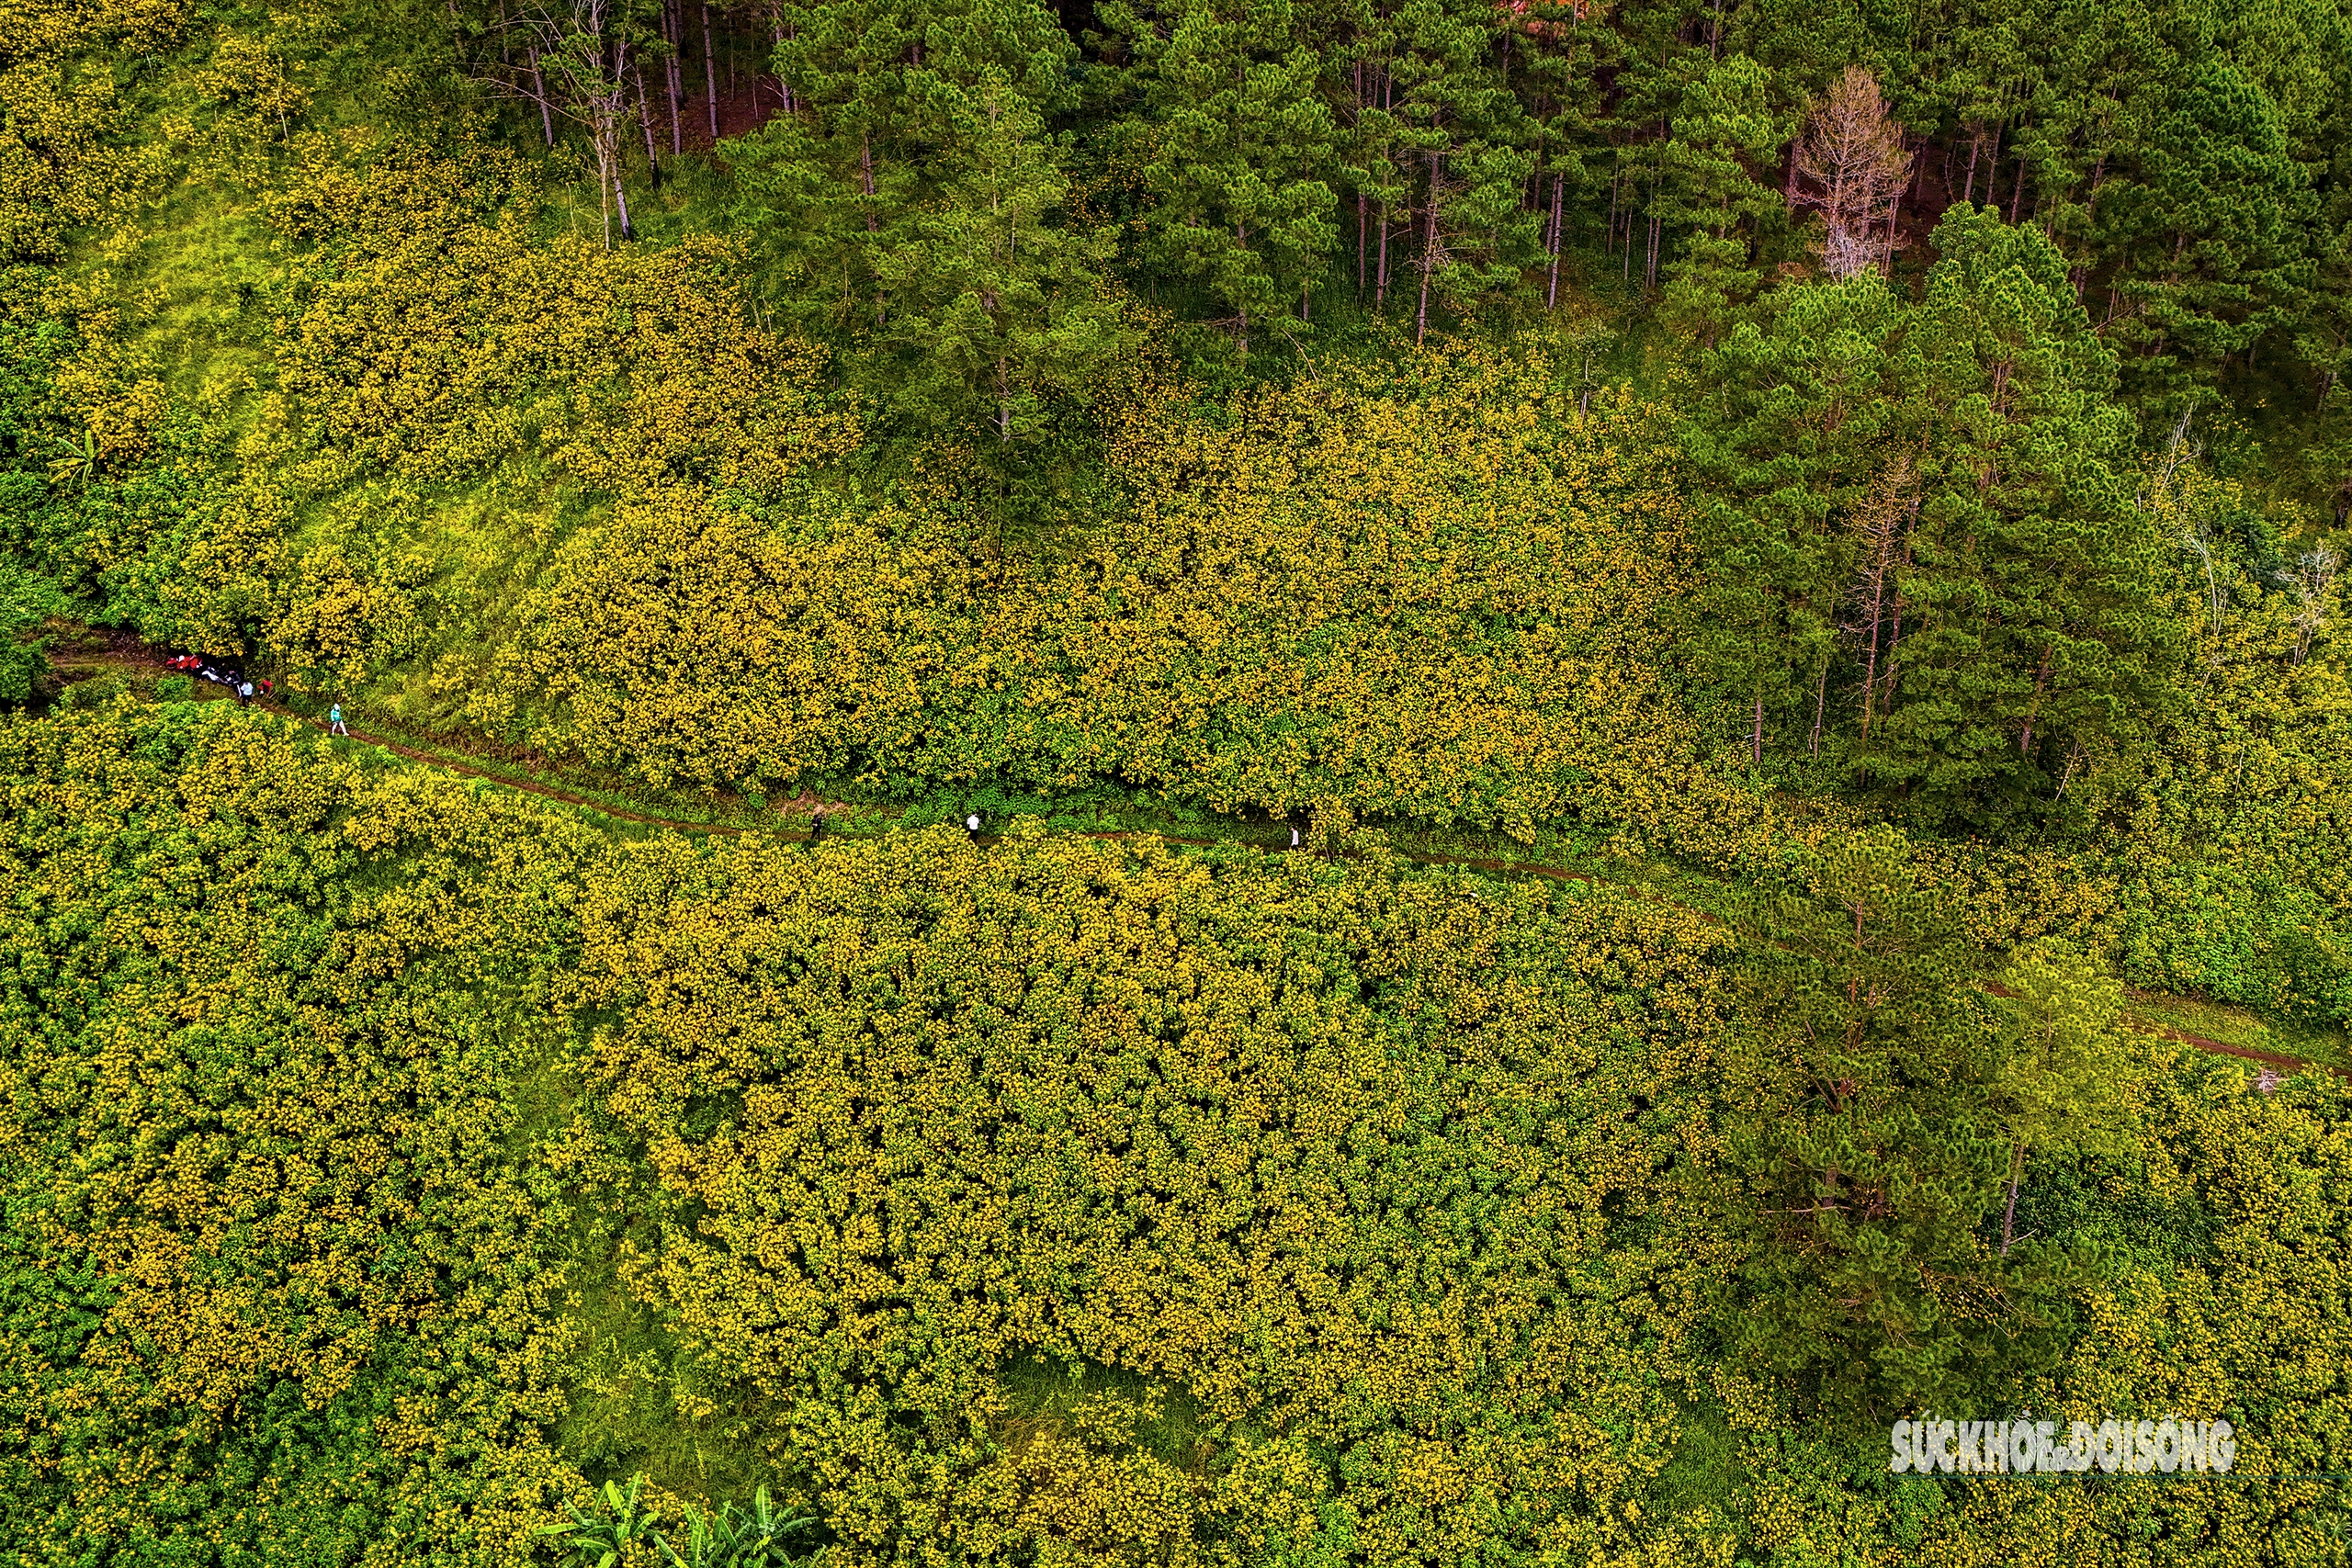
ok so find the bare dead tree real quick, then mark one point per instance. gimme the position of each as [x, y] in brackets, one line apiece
[1850, 166]
[2313, 579]
[2180, 450]
[1433, 253]
[539, 96]
[580, 69]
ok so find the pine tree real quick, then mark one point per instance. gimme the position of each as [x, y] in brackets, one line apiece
[828, 190]
[1871, 1126]
[1921, 559]
[2211, 235]
[2323, 338]
[1466, 145]
[579, 54]
[1723, 130]
[1556, 60]
[1799, 422]
[1850, 166]
[1657, 51]
[2034, 593]
[996, 307]
[1243, 148]
[916, 203]
[2063, 1059]
[1375, 150]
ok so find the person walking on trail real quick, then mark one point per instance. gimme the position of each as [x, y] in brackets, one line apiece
[972, 824]
[334, 721]
[244, 693]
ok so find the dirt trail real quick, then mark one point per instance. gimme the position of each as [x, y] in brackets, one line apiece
[130, 653]
[526, 786]
[138, 656]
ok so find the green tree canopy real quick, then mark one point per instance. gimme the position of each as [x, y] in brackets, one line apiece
[1872, 1129]
[1240, 144]
[1922, 558]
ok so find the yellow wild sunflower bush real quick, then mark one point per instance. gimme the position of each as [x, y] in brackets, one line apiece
[2234, 880]
[687, 641]
[384, 1160]
[1436, 597]
[621, 369]
[1070, 1201]
[2225, 1237]
[62, 161]
[275, 1275]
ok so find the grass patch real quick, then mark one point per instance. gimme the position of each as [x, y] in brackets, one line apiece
[638, 1399]
[1706, 1474]
[1066, 1400]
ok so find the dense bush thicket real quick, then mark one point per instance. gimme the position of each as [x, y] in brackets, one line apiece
[1337, 1172]
[279, 1269]
[1053, 1202]
[345, 377]
[1712, 434]
[1440, 600]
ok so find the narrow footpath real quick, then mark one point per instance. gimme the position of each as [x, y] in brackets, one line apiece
[127, 654]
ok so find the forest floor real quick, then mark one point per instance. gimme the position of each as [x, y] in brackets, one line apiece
[95, 652]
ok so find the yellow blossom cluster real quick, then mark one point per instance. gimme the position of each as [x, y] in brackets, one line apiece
[271, 1270]
[1341, 1164]
[1052, 1201]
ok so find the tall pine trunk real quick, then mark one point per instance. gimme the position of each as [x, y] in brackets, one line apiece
[1894, 222]
[1551, 287]
[2010, 1215]
[674, 30]
[1428, 256]
[2033, 708]
[1616, 173]
[613, 112]
[1362, 205]
[645, 118]
[1820, 707]
[1658, 220]
[603, 185]
[710, 72]
[539, 93]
